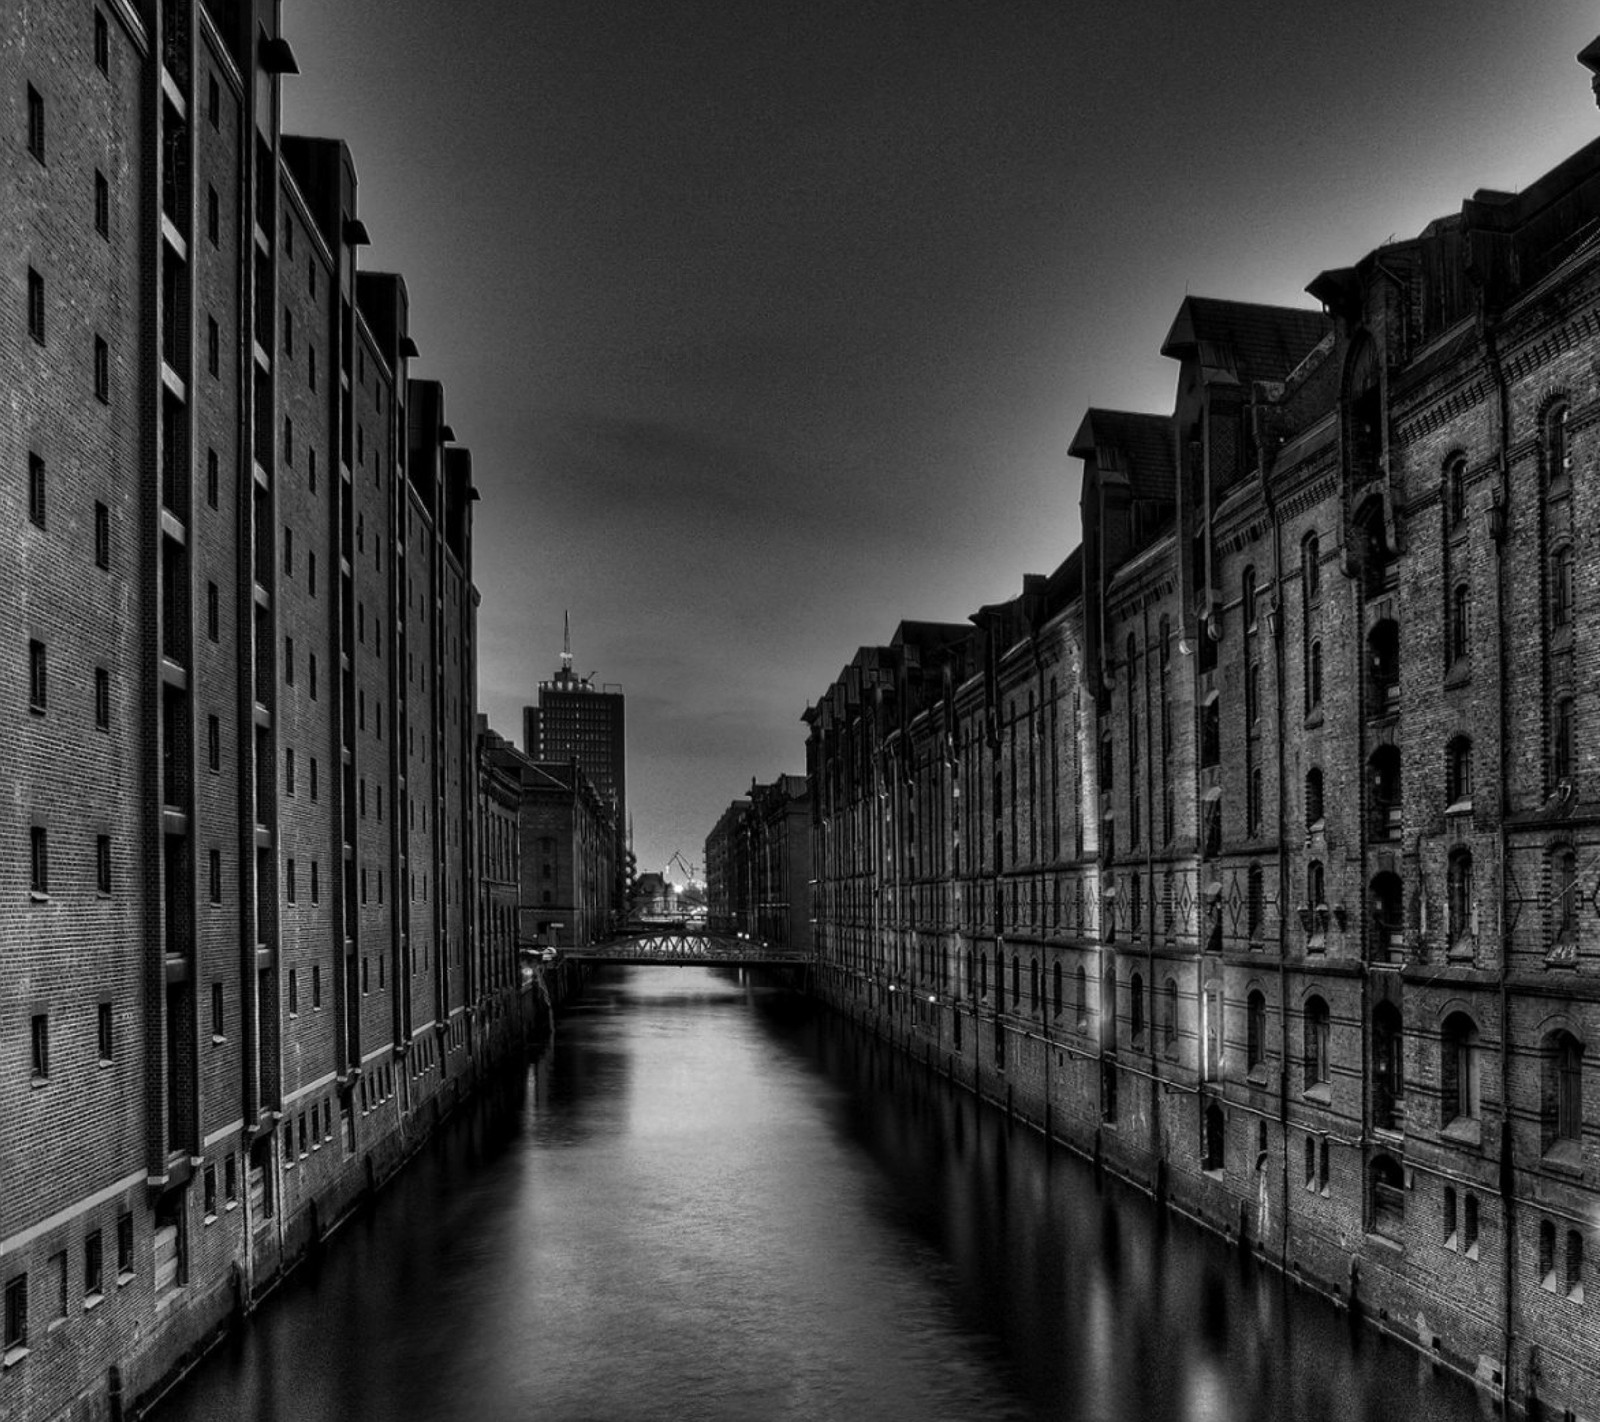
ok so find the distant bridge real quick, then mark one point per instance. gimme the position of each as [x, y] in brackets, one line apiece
[685, 944]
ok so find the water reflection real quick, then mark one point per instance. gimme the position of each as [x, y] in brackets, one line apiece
[711, 1201]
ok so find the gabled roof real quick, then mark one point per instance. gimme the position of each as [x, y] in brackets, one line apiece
[1243, 338]
[1137, 445]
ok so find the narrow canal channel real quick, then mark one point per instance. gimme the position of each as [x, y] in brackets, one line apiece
[712, 1200]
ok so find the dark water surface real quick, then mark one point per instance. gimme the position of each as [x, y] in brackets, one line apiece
[714, 1201]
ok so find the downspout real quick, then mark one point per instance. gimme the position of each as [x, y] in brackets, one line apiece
[1497, 516]
[1275, 631]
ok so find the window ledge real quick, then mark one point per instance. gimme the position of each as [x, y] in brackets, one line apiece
[1321, 1094]
[124, 1278]
[1314, 718]
[230, 1206]
[38, 1083]
[1459, 807]
[14, 1356]
[1565, 1158]
[1460, 673]
[93, 1300]
[1465, 1130]
[210, 1219]
[38, 897]
[1257, 1075]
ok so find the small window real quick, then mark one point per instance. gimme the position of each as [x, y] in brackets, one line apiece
[102, 43]
[38, 676]
[288, 661]
[102, 536]
[36, 490]
[214, 876]
[1314, 810]
[213, 744]
[93, 1266]
[1458, 772]
[39, 1038]
[102, 699]
[16, 1338]
[102, 204]
[1317, 1029]
[217, 1019]
[1558, 451]
[213, 102]
[1455, 481]
[1459, 884]
[1314, 677]
[103, 1032]
[1311, 567]
[1561, 587]
[1561, 739]
[102, 863]
[39, 859]
[210, 1189]
[36, 306]
[102, 370]
[1256, 1030]
[213, 346]
[1460, 622]
[288, 315]
[36, 123]
[213, 611]
[294, 993]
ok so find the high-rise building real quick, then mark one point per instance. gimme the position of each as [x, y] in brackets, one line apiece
[579, 719]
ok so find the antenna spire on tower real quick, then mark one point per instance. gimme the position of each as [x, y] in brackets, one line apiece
[566, 642]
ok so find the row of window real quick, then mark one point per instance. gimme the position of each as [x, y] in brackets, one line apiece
[39, 1041]
[58, 1283]
[39, 862]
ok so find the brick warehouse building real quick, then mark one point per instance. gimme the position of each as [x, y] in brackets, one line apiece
[1256, 850]
[759, 871]
[246, 967]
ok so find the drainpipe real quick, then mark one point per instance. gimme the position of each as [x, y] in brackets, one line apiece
[1497, 530]
[1275, 632]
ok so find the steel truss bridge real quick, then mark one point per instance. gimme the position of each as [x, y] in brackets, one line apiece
[684, 944]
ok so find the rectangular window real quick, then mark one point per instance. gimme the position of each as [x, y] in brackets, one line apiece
[316, 988]
[213, 346]
[102, 204]
[288, 441]
[213, 743]
[58, 1273]
[39, 845]
[102, 699]
[288, 551]
[288, 661]
[40, 1039]
[311, 573]
[315, 887]
[213, 611]
[93, 1266]
[216, 1011]
[103, 1031]
[36, 489]
[213, 102]
[124, 1248]
[313, 773]
[213, 216]
[214, 876]
[38, 677]
[16, 1313]
[313, 676]
[213, 483]
[102, 44]
[288, 315]
[230, 1179]
[211, 1192]
[36, 306]
[289, 884]
[102, 535]
[294, 993]
[102, 863]
[36, 123]
[102, 370]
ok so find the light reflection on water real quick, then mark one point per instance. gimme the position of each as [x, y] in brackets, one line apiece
[715, 1202]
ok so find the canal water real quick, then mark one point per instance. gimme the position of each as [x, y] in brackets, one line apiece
[712, 1200]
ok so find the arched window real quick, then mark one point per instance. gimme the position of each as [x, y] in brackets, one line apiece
[1455, 490]
[1564, 896]
[1458, 1069]
[1384, 780]
[1459, 883]
[1169, 1015]
[1458, 773]
[1252, 695]
[1314, 678]
[1082, 985]
[1547, 1254]
[1561, 739]
[1383, 668]
[1460, 622]
[1388, 1067]
[1311, 567]
[1561, 1095]
[1216, 1135]
[1561, 586]
[1255, 1030]
[1316, 885]
[1108, 1008]
[1557, 450]
[1313, 797]
[1575, 1265]
[1388, 1200]
[1136, 1008]
[1316, 1044]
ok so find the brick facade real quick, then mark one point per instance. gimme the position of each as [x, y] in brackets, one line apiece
[1254, 850]
[251, 961]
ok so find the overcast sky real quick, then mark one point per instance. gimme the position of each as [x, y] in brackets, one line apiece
[768, 323]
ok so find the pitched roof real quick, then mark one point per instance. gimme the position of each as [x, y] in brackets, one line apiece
[1248, 340]
[1143, 442]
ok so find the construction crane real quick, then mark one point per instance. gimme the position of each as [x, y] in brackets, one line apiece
[684, 864]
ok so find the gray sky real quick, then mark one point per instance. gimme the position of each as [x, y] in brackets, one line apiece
[768, 323]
